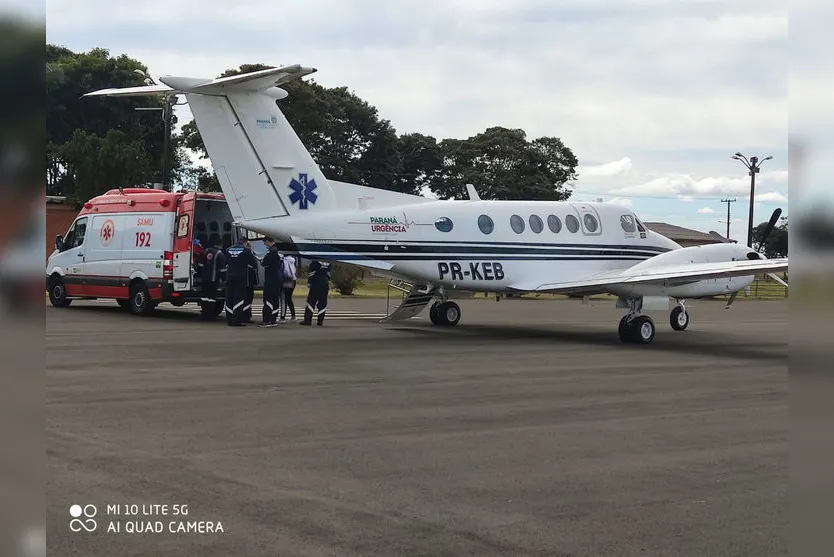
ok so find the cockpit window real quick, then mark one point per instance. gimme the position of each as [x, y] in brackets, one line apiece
[627, 222]
[640, 226]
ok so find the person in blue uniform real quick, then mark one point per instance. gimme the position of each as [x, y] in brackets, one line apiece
[251, 283]
[273, 278]
[240, 260]
[318, 280]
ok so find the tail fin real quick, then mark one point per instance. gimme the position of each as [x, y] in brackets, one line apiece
[262, 166]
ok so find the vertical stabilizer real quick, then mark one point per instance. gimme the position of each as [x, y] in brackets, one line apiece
[262, 166]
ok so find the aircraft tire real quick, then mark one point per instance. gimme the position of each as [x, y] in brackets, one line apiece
[434, 315]
[642, 330]
[448, 314]
[679, 319]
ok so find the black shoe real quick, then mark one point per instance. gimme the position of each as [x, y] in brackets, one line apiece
[320, 324]
[305, 323]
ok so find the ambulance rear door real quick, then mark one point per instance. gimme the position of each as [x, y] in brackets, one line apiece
[183, 235]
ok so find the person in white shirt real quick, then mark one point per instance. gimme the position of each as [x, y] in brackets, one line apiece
[290, 278]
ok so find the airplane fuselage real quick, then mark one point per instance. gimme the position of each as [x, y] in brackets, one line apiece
[489, 246]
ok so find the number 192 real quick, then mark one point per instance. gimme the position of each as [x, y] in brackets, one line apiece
[143, 239]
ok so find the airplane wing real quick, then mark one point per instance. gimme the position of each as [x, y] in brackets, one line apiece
[670, 275]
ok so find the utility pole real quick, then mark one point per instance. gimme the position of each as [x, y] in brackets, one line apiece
[728, 201]
[753, 166]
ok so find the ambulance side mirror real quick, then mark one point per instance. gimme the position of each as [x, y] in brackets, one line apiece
[59, 242]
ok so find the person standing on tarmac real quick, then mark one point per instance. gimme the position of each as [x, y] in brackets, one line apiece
[212, 266]
[251, 283]
[318, 280]
[241, 259]
[273, 277]
[290, 278]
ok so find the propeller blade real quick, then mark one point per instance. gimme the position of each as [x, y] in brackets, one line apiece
[731, 300]
[774, 218]
[775, 277]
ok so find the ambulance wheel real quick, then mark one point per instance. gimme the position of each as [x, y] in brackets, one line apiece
[178, 303]
[124, 304]
[58, 293]
[448, 314]
[140, 299]
[679, 319]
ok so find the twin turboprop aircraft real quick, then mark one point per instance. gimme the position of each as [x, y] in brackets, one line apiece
[274, 187]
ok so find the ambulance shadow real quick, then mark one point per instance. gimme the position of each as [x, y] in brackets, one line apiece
[696, 343]
[164, 313]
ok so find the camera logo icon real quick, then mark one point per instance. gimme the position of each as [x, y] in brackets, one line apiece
[83, 518]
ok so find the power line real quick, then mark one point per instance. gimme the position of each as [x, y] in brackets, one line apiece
[728, 201]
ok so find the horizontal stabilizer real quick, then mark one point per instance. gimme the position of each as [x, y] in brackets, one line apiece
[671, 275]
[143, 91]
[248, 82]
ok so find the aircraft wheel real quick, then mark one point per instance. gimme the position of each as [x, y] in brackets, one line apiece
[642, 330]
[623, 329]
[433, 314]
[679, 319]
[448, 314]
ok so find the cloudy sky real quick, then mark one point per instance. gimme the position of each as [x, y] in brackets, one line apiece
[653, 96]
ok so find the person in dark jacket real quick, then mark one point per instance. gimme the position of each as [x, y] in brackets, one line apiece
[240, 261]
[251, 283]
[273, 278]
[212, 268]
[318, 280]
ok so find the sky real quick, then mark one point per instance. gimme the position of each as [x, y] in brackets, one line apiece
[653, 96]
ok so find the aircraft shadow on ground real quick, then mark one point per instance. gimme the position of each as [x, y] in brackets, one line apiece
[689, 342]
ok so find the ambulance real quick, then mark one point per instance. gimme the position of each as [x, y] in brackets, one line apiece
[135, 245]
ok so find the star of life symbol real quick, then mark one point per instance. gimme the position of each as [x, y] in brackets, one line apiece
[302, 191]
[106, 233]
[88, 512]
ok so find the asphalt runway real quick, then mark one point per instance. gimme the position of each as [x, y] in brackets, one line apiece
[529, 429]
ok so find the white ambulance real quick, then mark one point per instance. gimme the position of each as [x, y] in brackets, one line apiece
[136, 246]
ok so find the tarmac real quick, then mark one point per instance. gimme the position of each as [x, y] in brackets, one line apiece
[528, 429]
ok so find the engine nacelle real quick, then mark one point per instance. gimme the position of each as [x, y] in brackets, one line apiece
[710, 253]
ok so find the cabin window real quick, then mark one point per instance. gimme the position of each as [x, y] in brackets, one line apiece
[572, 223]
[627, 222]
[517, 224]
[536, 224]
[444, 224]
[554, 224]
[591, 224]
[485, 224]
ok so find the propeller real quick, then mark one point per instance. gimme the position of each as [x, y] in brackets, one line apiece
[774, 218]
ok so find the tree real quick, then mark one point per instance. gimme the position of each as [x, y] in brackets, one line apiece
[69, 76]
[776, 244]
[502, 164]
[96, 164]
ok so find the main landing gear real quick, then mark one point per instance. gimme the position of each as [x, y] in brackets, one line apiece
[444, 313]
[679, 318]
[640, 329]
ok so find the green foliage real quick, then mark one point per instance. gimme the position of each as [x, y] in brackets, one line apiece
[69, 76]
[345, 278]
[345, 135]
[777, 242]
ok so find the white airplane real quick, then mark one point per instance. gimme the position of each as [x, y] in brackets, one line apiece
[274, 187]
